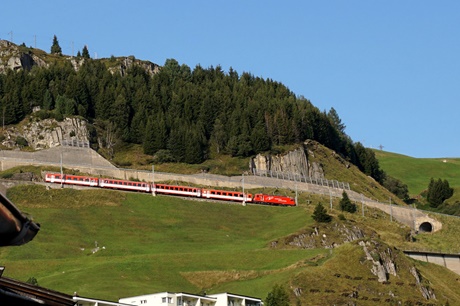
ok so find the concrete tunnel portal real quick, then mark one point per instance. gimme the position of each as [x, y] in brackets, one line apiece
[425, 227]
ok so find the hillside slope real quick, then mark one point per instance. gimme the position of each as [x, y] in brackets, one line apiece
[417, 172]
[94, 241]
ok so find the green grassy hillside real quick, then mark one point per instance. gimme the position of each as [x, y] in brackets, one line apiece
[146, 243]
[417, 172]
[150, 244]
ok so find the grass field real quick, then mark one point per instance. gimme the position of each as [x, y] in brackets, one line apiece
[108, 244]
[417, 172]
[149, 244]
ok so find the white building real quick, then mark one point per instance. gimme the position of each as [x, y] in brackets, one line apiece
[187, 299]
[82, 301]
[230, 299]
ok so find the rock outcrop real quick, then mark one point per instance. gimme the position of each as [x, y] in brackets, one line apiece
[128, 62]
[293, 162]
[383, 263]
[48, 133]
[13, 58]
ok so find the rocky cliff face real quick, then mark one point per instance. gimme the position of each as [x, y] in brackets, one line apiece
[47, 133]
[127, 62]
[293, 162]
[13, 57]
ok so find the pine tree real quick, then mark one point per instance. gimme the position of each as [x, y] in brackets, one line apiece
[55, 48]
[336, 121]
[85, 52]
[438, 192]
[149, 138]
[48, 103]
[320, 214]
[346, 204]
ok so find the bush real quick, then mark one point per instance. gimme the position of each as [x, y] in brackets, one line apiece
[21, 141]
[33, 281]
[278, 296]
[164, 156]
[43, 114]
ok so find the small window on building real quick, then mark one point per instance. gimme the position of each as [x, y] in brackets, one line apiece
[163, 300]
[169, 300]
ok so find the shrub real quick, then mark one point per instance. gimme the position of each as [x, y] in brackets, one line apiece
[278, 296]
[164, 156]
[21, 141]
[33, 281]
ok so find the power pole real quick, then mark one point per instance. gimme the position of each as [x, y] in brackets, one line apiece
[296, 195]
[244, 200]
[391, 212]
[330, 198]
[153, 181]
[62, 174]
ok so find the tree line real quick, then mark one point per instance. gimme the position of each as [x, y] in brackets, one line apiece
[180, 114]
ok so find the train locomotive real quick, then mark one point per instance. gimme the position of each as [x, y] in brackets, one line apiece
[174, 190]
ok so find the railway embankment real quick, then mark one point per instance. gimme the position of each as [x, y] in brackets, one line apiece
[88, 161]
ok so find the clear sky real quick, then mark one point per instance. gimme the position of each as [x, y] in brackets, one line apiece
[391, 69]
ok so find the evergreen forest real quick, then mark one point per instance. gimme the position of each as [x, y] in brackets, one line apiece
[180, 114]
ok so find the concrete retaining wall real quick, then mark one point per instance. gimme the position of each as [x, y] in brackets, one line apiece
[450, 261]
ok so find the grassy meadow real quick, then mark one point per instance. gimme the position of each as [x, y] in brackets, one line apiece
[149, 244]
[417, 172]
[108, 244]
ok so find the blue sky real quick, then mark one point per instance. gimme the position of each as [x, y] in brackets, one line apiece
[391, 69]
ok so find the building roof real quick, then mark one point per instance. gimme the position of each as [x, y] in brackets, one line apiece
[98, 302]
[237, 296]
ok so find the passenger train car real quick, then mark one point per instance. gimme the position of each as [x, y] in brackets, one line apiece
[186, 191]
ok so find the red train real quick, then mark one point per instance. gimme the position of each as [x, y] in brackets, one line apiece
[187, 191]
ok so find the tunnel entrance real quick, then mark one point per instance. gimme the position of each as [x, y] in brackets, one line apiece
[425, 227]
